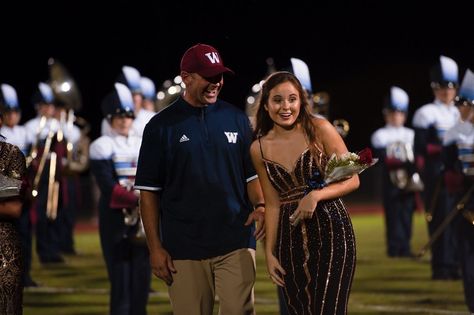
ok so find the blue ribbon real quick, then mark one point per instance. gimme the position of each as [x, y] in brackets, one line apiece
[316, 181]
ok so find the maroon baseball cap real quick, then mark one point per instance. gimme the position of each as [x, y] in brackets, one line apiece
[204, 60]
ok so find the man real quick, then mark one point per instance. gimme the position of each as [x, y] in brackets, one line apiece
[196, 178]
[430, 122]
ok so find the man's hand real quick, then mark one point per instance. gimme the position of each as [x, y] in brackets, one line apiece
[258, 215]
[162, 265]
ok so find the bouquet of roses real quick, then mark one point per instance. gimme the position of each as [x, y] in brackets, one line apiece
[9, 187]
[342, 167]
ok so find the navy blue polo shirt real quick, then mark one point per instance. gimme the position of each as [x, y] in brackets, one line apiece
[198, 160]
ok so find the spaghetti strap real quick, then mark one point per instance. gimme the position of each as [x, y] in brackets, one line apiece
[261, 150]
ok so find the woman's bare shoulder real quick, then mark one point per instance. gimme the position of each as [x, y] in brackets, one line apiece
[255, 147]
[321, 123]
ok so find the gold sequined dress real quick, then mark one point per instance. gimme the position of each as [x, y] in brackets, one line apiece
[12, 164]
[319, 254]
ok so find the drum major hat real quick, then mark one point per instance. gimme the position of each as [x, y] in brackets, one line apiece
[43, 94]
[444, 74]
[8, 98]
[466, 91]
[118, 103]
[130, 76]
[301, 71]
[148, 88]
[397, 100]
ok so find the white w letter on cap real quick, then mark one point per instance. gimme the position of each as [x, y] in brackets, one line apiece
[213, 57]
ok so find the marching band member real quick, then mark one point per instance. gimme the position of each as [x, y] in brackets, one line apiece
[459, 160]
[11, 114]
[430, 122]
[131, 78]
[149, 94]
[70, 134]
[147, 110]
[398, 202]
[113, 164]
[41, 132]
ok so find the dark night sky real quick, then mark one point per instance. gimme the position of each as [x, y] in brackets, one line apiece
[355, 52]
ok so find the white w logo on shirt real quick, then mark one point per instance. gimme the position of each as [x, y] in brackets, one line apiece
[213, 57]
[231, 136]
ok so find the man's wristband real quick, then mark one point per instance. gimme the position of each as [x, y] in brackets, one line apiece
[258, 205]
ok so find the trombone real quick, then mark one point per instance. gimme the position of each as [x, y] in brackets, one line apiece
[53, 190]
[42, 163]
[447, 220]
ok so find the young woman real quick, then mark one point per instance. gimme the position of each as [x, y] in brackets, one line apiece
[310, 245]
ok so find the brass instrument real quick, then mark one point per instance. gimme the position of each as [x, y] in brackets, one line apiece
[53, 184]
[401, 177]
[34, 148]
[132, 218]
[53, 190]
[64, 87]
[342, 126]
[460, 206]
[66, 92]
[44, 156]
[78, 156]
[321, 103]
[469, 215]
[320, 106]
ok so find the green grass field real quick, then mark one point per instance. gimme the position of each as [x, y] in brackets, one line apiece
[381, 285]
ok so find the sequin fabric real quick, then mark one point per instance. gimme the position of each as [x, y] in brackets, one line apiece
[12, 164]
[319, 254]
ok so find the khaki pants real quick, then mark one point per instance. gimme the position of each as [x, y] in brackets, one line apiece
[231, 277]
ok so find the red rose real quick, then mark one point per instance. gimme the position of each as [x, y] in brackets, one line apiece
[365, 156]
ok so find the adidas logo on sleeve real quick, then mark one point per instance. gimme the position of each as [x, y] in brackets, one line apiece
[183, 138]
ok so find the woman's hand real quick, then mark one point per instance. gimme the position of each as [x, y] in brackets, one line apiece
[305, 209]
[275, 270]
